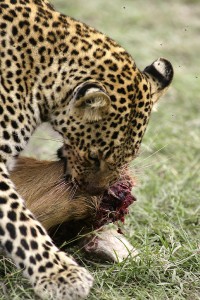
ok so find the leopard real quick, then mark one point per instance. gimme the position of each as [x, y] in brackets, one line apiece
[56, 69]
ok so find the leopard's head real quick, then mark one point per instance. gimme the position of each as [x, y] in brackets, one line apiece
[106, 120]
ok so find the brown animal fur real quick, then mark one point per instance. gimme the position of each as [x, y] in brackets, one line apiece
[42, 184]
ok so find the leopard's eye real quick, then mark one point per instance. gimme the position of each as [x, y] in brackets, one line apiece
[92, 156]
[97, 163]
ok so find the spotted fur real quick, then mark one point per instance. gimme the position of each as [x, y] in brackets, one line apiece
[56, 69]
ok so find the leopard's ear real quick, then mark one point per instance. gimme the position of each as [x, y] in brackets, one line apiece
[160, 74]
[92, 101]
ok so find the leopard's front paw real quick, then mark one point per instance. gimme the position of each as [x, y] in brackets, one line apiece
[69, 282]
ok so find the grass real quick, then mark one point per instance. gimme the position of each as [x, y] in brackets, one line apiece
[164, 224]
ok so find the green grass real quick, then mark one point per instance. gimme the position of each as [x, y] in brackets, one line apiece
[164, 224]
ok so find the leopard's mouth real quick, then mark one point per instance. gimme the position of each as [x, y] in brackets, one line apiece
[115, 199]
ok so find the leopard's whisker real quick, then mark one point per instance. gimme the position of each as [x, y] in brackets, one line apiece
[149, 156]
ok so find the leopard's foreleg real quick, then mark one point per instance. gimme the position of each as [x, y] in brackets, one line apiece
[53, 274]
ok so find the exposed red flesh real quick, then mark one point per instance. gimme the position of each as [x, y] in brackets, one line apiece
[115, 202]
[113, 207]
